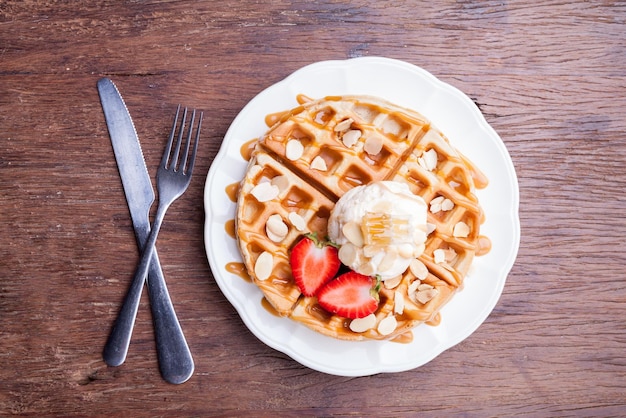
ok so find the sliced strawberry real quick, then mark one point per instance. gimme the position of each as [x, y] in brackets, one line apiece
[313, 263]
[351, 295]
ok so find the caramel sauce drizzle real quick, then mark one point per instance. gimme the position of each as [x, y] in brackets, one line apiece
[480, 180]
[238, 269]
[303, 98]
[229, 227]
[268, 307]
[484, 245]
[232, 190]
[247, 148]
[273, 118]
[404, 338]
[435, 320]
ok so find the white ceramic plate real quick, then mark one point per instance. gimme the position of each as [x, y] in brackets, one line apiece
[452, 112]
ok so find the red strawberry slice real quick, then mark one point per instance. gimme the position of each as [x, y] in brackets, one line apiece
[313, 263]
[351, 295]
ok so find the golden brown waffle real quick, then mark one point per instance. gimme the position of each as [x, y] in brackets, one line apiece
[316, 152]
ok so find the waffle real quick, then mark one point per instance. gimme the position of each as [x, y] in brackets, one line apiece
[316, 152]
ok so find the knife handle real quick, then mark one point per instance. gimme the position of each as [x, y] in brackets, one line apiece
[175, 360]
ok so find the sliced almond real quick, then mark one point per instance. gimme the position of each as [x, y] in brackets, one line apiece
[398, 303]
[430, 228]
[352, 231]
[439, 255]
[413, 287]
[363, 324]
[351, 137]
[388, 260]
[449, 254]
[282, 182]
[264, 265]
[405, 250]
[435, 204]
[387, 325]
[366, 269]
[319, 164]
[393, 282]
[294, 149]
[344, 125]
[428, 160]
[264, 192]
[447, 205]
[348, 254]
[297, 221]
[274, 237]
[430, 157]
[418, 269]
[254, 170]
[365, 112]
[392, 126]
[425, 296]
[373, 145]
[275, 228]
[371, 250]
[461, 230]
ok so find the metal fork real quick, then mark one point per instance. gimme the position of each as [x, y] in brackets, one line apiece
[173, 178]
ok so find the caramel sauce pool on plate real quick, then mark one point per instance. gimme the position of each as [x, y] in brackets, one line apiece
[247, 148]
[238, 269]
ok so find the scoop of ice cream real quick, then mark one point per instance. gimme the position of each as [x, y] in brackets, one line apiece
[380, 228]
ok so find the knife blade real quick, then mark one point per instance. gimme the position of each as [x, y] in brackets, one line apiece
[175, 360]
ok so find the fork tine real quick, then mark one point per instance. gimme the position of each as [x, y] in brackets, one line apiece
[189, 166]
[183, 162]
[174, 160]
[170, 141]
[186, 163]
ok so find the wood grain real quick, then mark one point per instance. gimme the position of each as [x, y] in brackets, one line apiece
[549, 76]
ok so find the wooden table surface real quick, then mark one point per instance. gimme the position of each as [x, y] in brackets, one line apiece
[549, 76]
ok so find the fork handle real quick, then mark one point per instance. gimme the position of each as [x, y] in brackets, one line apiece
[116, 347]
[175, 361]
[148, 248]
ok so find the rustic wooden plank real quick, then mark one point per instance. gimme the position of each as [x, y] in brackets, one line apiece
[550, 77]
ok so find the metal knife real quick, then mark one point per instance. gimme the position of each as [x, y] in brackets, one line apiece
[175, 360]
